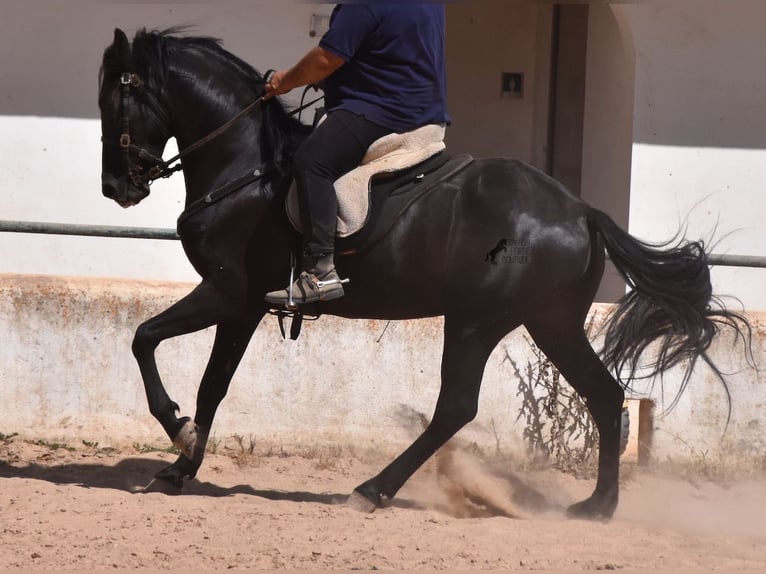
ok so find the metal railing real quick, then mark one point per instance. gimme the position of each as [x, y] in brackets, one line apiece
[724, 260]
[88, 230]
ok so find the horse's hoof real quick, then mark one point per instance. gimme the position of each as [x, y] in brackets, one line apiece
[360, 502]
[160, 485]
[172, 474]
[592, 509]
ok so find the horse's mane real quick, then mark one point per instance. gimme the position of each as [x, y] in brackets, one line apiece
[152, 52]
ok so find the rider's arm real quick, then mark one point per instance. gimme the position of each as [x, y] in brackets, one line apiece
[314, 67]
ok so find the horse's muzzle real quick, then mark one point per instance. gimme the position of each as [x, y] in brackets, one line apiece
[121, 191]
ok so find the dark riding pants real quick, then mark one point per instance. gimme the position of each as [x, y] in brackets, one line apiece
[333, 149]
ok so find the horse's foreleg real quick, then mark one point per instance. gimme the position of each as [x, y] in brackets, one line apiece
[466, 350]
[201, 308]
[570, 351]
[231, 340]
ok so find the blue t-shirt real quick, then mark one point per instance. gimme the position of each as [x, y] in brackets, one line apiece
[395, 73]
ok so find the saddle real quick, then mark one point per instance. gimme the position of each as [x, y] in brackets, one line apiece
[396, 170]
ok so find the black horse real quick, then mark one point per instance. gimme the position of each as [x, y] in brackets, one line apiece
[236, 235]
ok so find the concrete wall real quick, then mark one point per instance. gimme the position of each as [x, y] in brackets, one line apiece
[485, 39]
[68, 374]
[608, 125]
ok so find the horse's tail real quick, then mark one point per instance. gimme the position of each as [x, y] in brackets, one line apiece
[670, 301]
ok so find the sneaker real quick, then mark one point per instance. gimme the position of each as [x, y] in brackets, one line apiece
[308, 288]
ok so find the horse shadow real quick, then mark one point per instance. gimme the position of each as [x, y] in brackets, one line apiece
[136, 475]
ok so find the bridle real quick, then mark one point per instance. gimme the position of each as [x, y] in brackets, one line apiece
[159, 168]
[138, 174]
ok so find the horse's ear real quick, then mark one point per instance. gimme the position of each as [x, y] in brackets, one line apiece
[120, 38]
[122, 44]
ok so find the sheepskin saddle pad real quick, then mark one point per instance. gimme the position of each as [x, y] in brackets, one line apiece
[389, 154]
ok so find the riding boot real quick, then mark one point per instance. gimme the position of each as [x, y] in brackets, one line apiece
[318, 282]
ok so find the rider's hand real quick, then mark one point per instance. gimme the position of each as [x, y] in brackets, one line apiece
[274, 85]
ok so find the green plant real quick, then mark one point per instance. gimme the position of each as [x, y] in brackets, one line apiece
[145, 448]
[240, 440]
[53, 445]
[8, 438]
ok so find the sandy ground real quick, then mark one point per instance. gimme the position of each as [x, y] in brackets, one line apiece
[78, 508]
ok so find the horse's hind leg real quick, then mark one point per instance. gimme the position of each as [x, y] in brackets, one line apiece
[231, 340]
[564, 342]
[467, 346]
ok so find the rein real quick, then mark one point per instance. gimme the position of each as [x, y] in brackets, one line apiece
[166, 168]
[163, 168]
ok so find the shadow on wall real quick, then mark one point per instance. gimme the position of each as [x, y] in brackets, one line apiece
[50, 58]
[698, 79]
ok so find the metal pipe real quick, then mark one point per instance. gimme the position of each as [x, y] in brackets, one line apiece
[88, 230]
[737, 260]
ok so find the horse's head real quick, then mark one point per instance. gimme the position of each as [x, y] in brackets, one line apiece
[132, 131]
[190, 88]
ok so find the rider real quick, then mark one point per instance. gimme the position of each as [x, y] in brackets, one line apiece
[382, 68]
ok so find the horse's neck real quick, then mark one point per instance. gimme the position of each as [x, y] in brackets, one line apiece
[227, 156]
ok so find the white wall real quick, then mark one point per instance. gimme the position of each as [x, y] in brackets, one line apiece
[699, 129]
